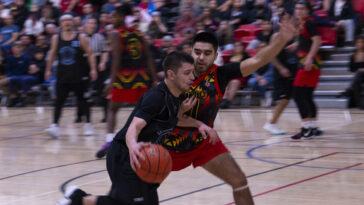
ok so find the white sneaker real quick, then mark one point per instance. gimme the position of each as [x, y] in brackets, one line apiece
[273, 129]
[64, 201]
[53, 131]
[88, 129]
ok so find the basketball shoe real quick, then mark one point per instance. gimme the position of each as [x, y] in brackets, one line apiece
[306, 133]
[273, 129]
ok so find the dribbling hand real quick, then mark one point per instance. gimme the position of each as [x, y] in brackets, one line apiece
[208, 131]
[135, 154]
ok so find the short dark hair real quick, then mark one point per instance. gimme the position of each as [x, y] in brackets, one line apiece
[124, 10]
[307, 4]
[174, 60]
[206, 37]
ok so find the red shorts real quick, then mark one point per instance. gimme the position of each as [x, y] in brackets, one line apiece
[307, 78]
[127, 95]
[197, 156]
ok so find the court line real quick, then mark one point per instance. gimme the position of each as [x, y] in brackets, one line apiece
[303, 180]
[48, 168]
[253, 175]
[62, 187]
[250, 155]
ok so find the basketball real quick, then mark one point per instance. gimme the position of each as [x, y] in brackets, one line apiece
[156, 166]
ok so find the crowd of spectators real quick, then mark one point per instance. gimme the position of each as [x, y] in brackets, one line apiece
[26, 27]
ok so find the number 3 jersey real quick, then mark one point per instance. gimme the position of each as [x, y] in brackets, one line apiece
[209, 90]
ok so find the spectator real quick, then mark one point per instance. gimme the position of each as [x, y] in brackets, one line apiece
[216, 14]
[4, 11]
[33, 26]
[41, 44]
[156, 28]
[49, 14]
[16, 74]
[210, 24]
[185, 21]
[87, 11]
[225, 35]
[199, 27]
[50, 30]
[254, 14]
[27, 41]
[261, 79]
[103, 21]
[186, 47]
[193, 5]
[343, 13]
[143, 19]
[9, 34]
[19, 12]
[68, 6]
[235, 14]
[233, 86]
[147, 5]
[264, 36]
[109, 6]
[156, 56]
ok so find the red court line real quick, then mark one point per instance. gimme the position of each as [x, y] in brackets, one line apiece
[303, 180]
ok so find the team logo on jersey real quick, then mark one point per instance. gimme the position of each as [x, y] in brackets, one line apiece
[75, 44]
[134, 47]
[67, 54]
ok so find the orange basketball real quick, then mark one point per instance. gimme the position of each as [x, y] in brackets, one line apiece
[156, 166]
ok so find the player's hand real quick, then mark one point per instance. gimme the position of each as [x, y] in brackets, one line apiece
[135, 154]
[208, 131]
[288, 29]
[285, 72]
[93, 74]
[292, 47]
[188, 104]
[308, 64]
[47, 75]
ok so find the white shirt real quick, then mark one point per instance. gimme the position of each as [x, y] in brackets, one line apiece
[339, 4]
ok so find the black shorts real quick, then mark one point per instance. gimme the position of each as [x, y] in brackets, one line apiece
[127, 187]
[283, 89]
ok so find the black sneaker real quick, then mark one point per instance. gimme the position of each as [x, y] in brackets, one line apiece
[12, 102]
[78, 119]
[305, 133]
[317, 131]
[224, 104]
[75, 194]
[103, 150]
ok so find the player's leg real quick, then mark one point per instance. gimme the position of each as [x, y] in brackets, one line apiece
[230, 92]
[80, 90]
[301, 98]
[224, 167]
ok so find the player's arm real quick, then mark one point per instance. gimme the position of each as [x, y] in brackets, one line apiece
[315, 47]
[90, 56]
[250, 65]
[136, 126]
[51, 57]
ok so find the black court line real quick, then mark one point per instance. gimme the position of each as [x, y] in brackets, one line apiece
[253, 175]
[48, 168]
[63, 189]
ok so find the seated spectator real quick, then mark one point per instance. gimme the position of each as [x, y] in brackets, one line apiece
[50, 30]
[16, 73]
[259, 13]
[235, 14]
[109, 6]
[264, 36]
[103, 21]
[19, 12]
[356, 66]
[261, 79]
[9, 34]
[156, 27]
[27, 41]
[188, 35]
[199, 27]
[68, 6]
[87, 12]
[233, 86]
[185, 21]
[194, 5]
[41, 44]
[49, 14]
[225, 35]
[156, 56]
[210, 24]
[33, 26]
[186, 47]
[342, 12]
[142, 18]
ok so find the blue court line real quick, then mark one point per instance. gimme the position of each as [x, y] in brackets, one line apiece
[251, 156]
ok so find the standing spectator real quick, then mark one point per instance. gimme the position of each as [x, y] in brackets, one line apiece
[156, 28]
[261, 79]
[185, 21]
[49, 14]
[308, 72]
[87, 11]
[343, 13]
[103, 21]
[50, 30]
[16, 73]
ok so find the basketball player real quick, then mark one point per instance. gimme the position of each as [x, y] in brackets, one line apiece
[154, 116]
[69, 46]
[308, 72]
[187, 145]
[132, 70]
[285, 65]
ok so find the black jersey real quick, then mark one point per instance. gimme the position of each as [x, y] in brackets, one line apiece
[289, 60]
[159, 108]
[70, 60]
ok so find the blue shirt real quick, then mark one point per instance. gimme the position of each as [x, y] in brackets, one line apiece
[17, 65]
[7, 31]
